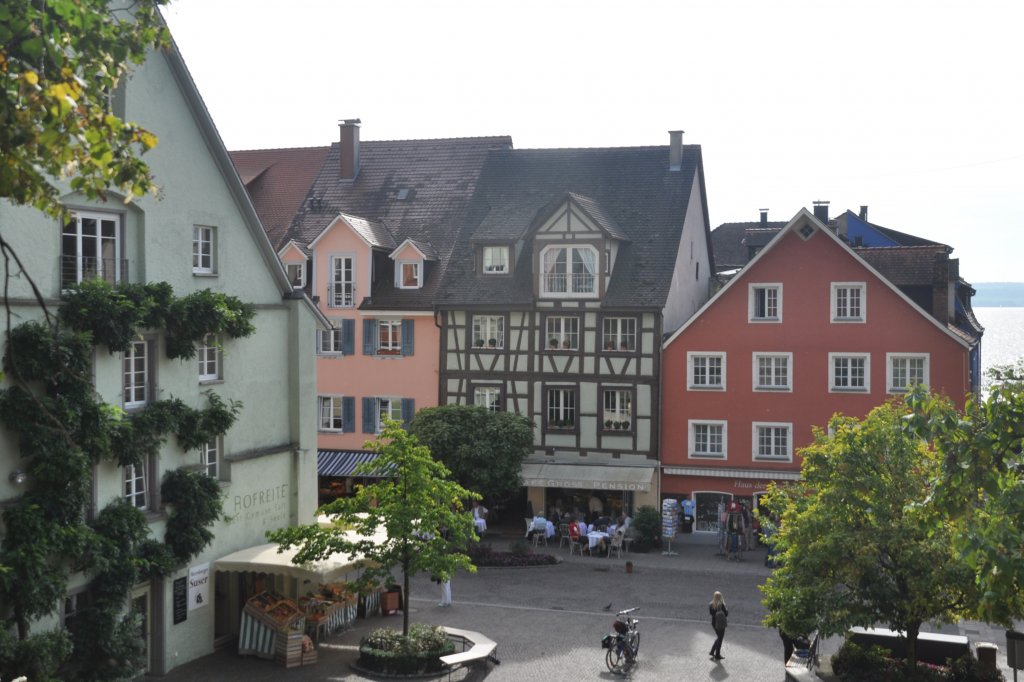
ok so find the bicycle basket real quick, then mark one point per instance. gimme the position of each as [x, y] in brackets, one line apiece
[606, 643]
[621, 627]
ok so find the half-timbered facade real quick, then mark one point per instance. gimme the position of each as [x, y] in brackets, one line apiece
[571, 267]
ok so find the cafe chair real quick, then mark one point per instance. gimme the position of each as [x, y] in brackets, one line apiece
[563, 534]
[615, 544]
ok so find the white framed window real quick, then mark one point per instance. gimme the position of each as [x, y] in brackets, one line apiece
[568, 271]
[488, 332]
[705, 370]
[495, 260]
[765, 303]
[203, 249]
[563, 333]
[331, 413]
[906, 370]
[849, 302]
[209, 458]
[617, 414]
[135, 490]
[773, 371]
[561, 408]
[407, 274]
[389, 337]
[209, 353]
[487, 396]
[708, 439]
[342, 286]
[772, 441]
[296, 274]
[328, 341]
[619, 334]
[91, 248]
[136, 375]
[849, 372]
[390, 408]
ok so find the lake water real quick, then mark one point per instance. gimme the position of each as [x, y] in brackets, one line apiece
[1003, 342]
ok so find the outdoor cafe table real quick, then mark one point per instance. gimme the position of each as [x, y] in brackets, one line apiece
[595, 537]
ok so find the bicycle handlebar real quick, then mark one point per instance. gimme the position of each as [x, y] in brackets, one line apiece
[623, 613]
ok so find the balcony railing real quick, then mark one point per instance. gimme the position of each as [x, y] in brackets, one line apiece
[76, 269]
[559, 283]
[341, 295]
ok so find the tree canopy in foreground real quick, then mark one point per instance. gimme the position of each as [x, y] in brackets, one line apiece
[862, 540]
[418, 515]
[61, 62]
[483, 449]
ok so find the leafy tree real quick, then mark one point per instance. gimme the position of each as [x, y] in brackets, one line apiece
[981, 486]
[416, 506]
[483, 449]
[60, 62]
[862, 539]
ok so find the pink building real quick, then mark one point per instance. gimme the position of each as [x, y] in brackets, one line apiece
[806, 329]
[370, 240]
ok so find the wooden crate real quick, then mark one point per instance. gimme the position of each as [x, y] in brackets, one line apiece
[288, 650]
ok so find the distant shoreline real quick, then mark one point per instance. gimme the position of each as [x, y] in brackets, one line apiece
[998, 295]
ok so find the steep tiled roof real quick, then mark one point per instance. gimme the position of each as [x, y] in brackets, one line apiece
[438, 176]
[629, 190]
[904, 265]
[374, 233]
[727, 240]
[277, 181]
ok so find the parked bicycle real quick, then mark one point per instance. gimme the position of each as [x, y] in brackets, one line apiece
[623, 643]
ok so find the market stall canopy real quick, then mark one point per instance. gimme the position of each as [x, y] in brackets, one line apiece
[268, 559]
[588, 476]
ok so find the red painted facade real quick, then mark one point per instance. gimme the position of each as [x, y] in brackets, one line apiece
[805, 272]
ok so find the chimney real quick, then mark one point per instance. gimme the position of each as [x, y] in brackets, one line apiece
[821, 211]
[864, 213]
[675, 150]
[764, 217]
[349, 148]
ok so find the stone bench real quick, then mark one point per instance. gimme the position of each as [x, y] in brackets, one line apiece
[481, 648]
[932, 647]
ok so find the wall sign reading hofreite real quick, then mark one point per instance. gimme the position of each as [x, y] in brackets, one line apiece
[268, 506]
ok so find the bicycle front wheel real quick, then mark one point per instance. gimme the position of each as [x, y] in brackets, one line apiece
[636, 642]
[616, 659]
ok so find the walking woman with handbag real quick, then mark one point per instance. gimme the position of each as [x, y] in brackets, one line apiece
[719, 621]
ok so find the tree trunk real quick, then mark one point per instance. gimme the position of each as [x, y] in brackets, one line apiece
[19, 617]
[405, 599]
[913, 630]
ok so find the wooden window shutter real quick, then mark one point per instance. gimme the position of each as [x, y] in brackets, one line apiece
[407, 336]
[408, 410]
[348, 412]
[348, 337]
[369, 416]
[369, 336]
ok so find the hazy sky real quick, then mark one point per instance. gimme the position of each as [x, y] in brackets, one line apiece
[912, 108]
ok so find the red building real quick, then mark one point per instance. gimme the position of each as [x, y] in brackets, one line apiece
[806, 329]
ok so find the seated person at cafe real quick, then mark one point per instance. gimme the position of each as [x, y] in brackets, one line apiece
[479, 517]
[540, 525]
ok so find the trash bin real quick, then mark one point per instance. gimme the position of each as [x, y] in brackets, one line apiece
[687, 524]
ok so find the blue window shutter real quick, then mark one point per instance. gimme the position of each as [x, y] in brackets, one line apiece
[348, 337]
[369, 418]
[407, 336]
[408, 410]
[369, 336]
[348, 414]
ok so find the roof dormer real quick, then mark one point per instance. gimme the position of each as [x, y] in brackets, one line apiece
[575, 242]
[410, 258]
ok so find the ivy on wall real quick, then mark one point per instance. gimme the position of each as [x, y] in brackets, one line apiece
[63, 431]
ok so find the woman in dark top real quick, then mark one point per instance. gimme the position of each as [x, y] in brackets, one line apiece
[718, 622]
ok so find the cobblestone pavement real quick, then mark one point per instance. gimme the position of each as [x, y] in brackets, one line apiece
[548, 622]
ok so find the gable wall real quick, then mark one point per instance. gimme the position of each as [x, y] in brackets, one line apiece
[691, 274]
[806, 270]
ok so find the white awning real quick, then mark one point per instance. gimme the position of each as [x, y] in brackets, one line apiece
[587, 476]
[267, 559]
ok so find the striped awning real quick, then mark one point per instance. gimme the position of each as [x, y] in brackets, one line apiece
[344, 462]
[723, 472]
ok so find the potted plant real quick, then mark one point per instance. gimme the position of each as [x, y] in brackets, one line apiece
[608, 423]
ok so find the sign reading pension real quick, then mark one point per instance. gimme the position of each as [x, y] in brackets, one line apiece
[596, 477]
[198, 586]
